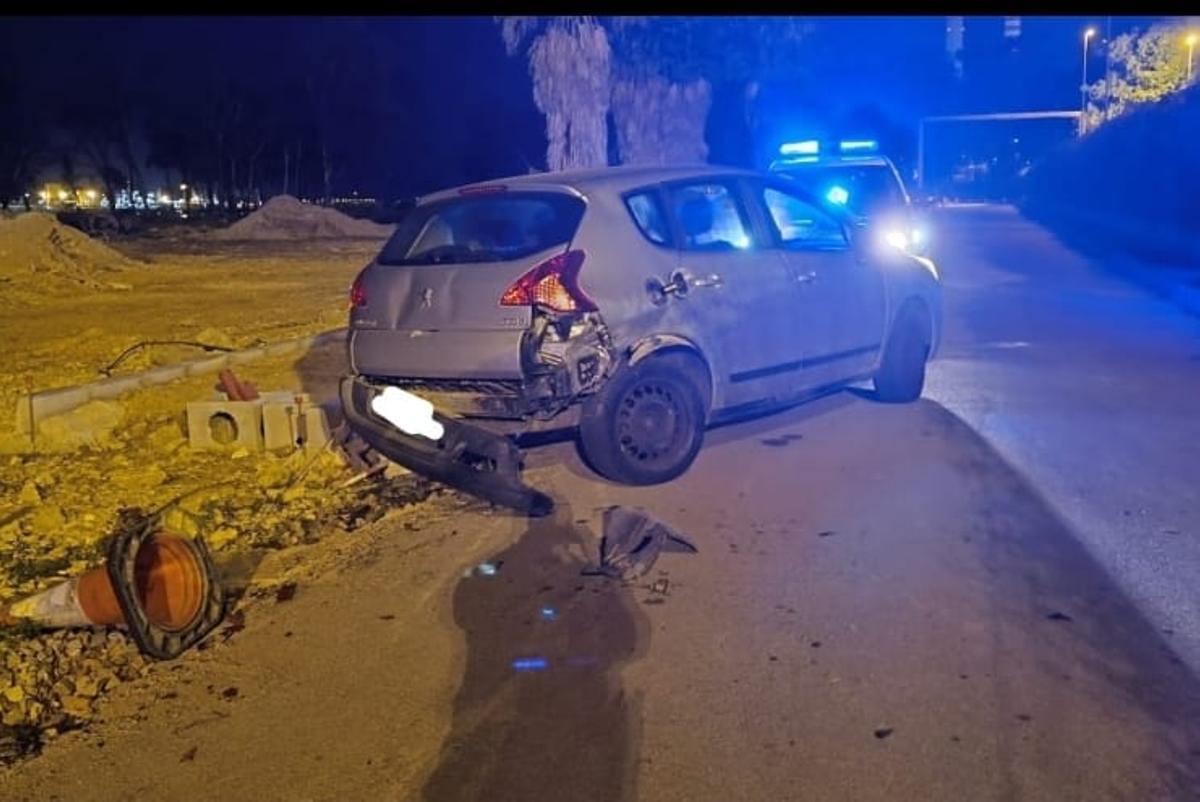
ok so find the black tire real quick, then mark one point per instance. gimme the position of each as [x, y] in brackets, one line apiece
[647, 424]
[901, 377]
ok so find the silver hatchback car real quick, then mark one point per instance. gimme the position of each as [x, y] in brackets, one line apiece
[637, 304]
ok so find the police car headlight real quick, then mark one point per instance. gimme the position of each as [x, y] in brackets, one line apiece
[896, 238]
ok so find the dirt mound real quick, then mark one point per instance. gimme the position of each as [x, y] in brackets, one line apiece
[37, 253]
[286, 218]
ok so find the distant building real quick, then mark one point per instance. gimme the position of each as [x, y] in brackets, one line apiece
[955, 27]
[990, 35]
[1012, 28]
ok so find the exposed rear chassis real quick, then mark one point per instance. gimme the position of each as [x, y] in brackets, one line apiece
[468, 457]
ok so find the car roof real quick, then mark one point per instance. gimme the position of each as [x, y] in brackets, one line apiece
[613, 179]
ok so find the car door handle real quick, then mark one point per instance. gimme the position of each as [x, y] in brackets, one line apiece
[807, 278]
[711, 280]
[659, 291]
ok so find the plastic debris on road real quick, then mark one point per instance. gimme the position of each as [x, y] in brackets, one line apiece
[632, 543]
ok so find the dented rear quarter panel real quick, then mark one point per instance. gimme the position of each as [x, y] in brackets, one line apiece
[619, 262]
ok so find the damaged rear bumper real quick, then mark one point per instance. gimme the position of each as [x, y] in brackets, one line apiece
[467, 457]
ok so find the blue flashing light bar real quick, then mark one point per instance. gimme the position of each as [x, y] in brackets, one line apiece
[859, 145]
[807, 147]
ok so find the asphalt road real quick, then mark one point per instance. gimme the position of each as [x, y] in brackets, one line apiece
[937, 601]
[1089, 385]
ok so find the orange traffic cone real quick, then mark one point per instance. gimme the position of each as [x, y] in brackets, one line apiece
[171, 586]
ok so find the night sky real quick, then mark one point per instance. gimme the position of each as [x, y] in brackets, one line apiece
[436, 101]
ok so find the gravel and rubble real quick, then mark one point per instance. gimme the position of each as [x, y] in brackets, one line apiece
[60, 493]
[56, 512]
[52, 683]
[59, 333]
[40, 256]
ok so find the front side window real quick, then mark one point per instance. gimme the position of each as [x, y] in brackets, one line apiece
[710, 217]
[801, 225]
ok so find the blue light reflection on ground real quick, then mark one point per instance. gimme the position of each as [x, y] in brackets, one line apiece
[530, 664]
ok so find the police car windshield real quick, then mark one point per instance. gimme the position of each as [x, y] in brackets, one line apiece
[862, 189]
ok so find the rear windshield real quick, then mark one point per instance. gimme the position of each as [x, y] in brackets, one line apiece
[863, 189]
[483, 228]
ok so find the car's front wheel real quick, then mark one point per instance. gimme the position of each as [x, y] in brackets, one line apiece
[901, 376]
[647, 424]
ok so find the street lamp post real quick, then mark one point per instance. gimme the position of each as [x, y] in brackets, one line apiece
[1083, 88]
[1108, 68]
[1191, 43]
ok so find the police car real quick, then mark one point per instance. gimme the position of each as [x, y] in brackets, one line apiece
[852, 174]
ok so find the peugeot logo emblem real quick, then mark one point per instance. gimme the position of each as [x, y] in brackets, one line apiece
[427, 298]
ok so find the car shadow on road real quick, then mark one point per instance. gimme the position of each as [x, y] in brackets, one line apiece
[541, 712]
[562, 448]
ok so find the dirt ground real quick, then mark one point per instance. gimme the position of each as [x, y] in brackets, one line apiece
[884, 606]
[222, 293]
[60, 494]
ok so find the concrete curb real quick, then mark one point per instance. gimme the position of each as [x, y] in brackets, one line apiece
[47, 403]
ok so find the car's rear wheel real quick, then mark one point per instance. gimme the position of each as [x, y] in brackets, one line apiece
[901, 377]
[647, 424]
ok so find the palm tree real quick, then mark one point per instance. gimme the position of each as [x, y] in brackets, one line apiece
[570, 62]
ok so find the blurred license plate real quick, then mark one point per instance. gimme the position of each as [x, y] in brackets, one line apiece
[409, 413]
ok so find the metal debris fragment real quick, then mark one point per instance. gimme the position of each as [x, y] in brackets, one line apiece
[632, 542]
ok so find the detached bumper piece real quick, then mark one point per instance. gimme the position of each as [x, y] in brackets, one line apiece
[468, 458]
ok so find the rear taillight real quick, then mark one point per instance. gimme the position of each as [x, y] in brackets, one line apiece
[553, 284]
[358, 291]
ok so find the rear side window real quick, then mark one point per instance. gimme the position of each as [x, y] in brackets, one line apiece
[648, 214]
[710, 217]
[497, 227]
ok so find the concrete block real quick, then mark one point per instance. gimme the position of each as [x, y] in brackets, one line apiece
[314, 428]
[225, 424]
[280, 424]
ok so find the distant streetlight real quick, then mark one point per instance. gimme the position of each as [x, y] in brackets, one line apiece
[1191, 43]
[1083, 88]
